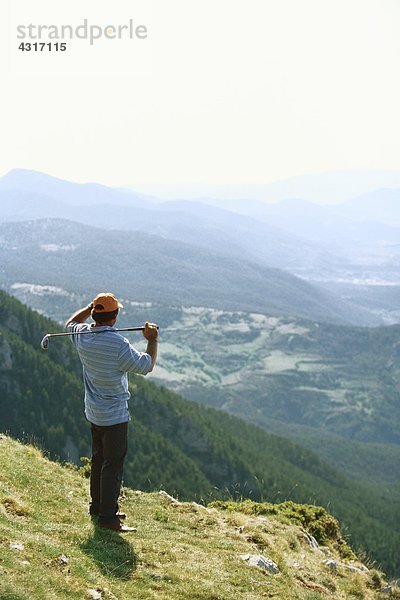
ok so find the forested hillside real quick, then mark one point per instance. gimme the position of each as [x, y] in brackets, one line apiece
[192, 451]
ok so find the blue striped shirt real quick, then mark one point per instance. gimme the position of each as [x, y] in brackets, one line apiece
[106, 358]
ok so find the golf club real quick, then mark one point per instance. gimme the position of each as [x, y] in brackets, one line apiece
[45, 341]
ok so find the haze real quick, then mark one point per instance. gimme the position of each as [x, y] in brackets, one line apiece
[221, 93]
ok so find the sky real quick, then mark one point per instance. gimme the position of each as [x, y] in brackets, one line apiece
[219, 92]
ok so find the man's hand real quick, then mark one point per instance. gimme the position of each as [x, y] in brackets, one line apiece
[150, 331]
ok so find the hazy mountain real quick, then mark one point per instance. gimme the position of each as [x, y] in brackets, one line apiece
[360, 240]
[66, 192]
[330, 187]
[149, 268]
[382, 205]
[349, 249]
[29, 195]
[370, 218]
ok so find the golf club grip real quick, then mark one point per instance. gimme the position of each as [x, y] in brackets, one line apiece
[142, 328]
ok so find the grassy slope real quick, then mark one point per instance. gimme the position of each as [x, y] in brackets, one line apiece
[271, 468]
[179, 552]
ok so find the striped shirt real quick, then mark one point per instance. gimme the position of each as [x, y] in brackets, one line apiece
[106, 358]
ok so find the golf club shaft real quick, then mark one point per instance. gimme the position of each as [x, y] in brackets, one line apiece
[45, 341]
[84, 332]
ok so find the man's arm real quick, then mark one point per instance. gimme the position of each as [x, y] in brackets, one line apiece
[150, 332]
[81, 315]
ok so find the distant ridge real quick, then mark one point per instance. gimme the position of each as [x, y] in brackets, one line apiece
[325, 188]
[67, 192]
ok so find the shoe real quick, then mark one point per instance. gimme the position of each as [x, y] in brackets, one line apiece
[121, 516]
[117, 526]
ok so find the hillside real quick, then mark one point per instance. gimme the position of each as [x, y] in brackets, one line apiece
[261, 367]
[155, 269]
[49, 548]
[343, 380]
[192, 451]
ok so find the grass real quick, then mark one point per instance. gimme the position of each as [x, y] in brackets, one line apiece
[50, 549]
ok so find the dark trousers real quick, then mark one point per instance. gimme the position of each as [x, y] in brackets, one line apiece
[109, 446]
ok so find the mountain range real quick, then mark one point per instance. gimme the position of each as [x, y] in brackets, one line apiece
[154, 269]
[322, 188]
[351, 249]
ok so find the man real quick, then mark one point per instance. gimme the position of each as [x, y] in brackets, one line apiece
[106, 358]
